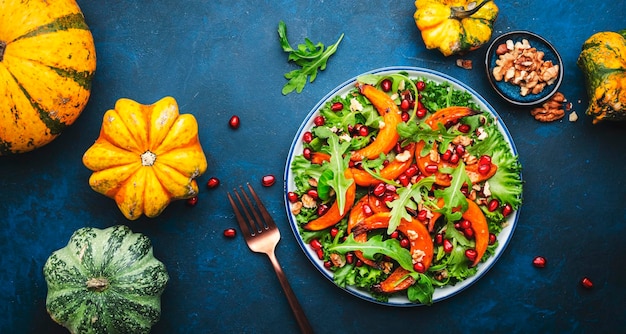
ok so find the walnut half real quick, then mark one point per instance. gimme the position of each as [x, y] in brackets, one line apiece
[551, 110]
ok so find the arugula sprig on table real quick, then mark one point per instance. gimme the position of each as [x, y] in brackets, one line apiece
[309, 56]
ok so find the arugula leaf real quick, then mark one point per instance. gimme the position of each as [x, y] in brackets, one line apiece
[422, 291]
[408, 198]
[338, 164]
[375, 245]
[309, 56]
[452, 195]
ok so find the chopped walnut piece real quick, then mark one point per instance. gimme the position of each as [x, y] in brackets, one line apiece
[464, 63]
[337, 260]
[308, 201]
[551, 110]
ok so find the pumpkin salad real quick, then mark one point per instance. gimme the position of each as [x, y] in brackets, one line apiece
[403, 186]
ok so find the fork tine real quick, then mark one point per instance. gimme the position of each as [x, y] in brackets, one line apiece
[266, 215]
[251, 223]
[261, 225]
[242, 222]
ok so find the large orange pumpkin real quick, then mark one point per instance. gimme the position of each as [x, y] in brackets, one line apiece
[47, 62]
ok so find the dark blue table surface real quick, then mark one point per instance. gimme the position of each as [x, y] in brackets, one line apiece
[221, 58]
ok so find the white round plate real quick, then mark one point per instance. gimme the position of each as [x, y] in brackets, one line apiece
[296, 149]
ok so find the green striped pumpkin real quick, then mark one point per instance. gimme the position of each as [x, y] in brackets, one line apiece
[47, 62]
[105, 281]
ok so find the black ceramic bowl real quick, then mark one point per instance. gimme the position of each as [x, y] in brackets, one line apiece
[510, 92]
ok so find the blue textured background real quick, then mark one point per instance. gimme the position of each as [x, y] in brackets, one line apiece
[222, 57]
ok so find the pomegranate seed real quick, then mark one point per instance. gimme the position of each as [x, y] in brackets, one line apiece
[192, 201]
[466, 224]
[364, 131]
[586, 283]
[379, 190]
[460, 150]
[268, 180]
[454, 159]
[471, 254]
[432, 168]
[464, 128]
[386, 85]
[403, 179]
[307, 153]
[315, 244]
[539, 261]
[419, 267]
[319, 120]
[350, 258]
[322, 209]
[234, 122]
[420, 85]
[405, 243]
[405, 116]
[411, 171]
[493, 205]
[390, 188]
[359, 263]
[394, 235]
[421, 112]
[405, 104]
[422, 215]
[439, 239]
[492, 238]
[328, 264]
[307, 137]
[447, 246]
[292, 196]
[212, 183]
[337, 106]
[230, 232]
[313, 193]
[484, 160]
[320, 253]
[484, 169]
[334, 231]
[507, 209]
[446, 155]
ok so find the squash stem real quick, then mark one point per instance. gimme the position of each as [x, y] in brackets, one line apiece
[97, 284]
[3, 46]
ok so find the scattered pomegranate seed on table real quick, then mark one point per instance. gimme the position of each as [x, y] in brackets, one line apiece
[586, 283]
[234, 122]
[539, 261]
[268, 180]
[212, 183]
[192, 201]
[230, 232]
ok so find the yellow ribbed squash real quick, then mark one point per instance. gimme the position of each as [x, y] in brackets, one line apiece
[445, 26]
[146, 156]
[47, 62]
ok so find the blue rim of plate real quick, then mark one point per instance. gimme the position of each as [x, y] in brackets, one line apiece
[510, 92]
[440, 294]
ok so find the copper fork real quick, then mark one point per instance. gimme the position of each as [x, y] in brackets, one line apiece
[262, 236]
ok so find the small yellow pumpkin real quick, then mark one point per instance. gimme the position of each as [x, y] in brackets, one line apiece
[47, 62]
[146, 156]
[455, 26]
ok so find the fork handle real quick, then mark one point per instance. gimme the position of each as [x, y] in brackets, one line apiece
[303, 322]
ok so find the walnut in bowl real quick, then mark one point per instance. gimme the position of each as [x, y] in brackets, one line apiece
[523, 68]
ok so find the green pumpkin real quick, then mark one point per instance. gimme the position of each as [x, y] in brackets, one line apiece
[603, 62]
[105, 281]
